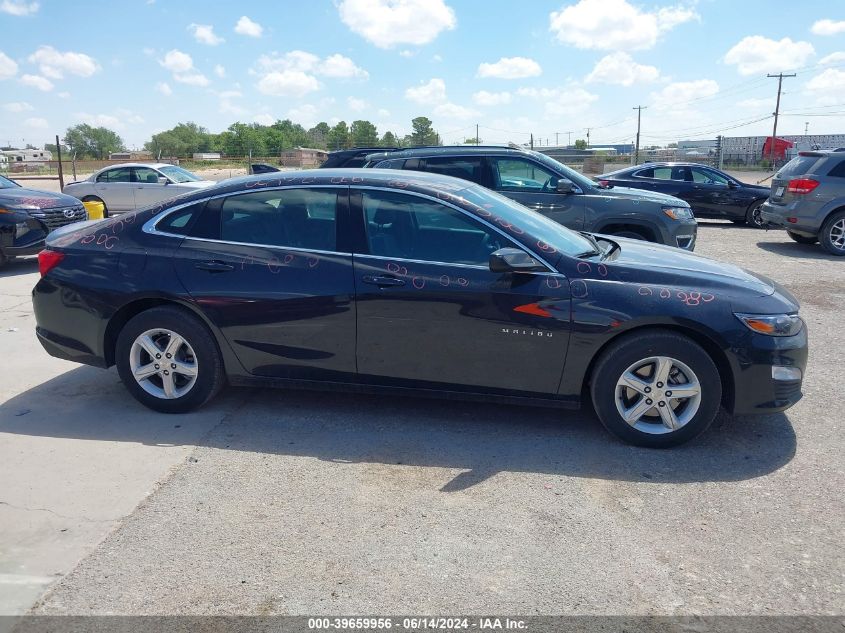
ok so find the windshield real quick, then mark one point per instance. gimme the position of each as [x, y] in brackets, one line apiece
[5, 183]
[579, 179]
[177, 174]
[540, 227]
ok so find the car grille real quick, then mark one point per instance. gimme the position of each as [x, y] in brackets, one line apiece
[54, 218]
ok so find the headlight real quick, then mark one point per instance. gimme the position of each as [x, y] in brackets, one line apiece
[772, 324]
[679, 213]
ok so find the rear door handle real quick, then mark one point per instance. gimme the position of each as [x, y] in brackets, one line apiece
[382, 282]
[215, 266]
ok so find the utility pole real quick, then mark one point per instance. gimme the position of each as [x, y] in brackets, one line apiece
[532, 140]
[588, 137]
[780, 77]
[569, 139]
[477, 141]
[639, 110]
[557, 139]
[806, 126]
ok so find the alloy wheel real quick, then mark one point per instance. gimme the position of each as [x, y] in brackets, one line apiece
[163, 363]
[837, 234]
[658, 395]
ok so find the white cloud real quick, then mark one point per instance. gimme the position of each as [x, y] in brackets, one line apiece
[615, 24]
[18, 7]
[192, 79]
[756, 104]
[356, 105]
[63, 95]
[8, 66]
[36, 123]
[510, 68]
[383, 113]
[406, 53]
[828, 86]
[676, 96]
[828, 27]
[54, 64]
[101, 120]
[756, 54]
[177, 62]
[37, 81]
[833, 58]
[17, 106]
[287, 83]
[164, 89]
[484, 98]
[247, 27]
[305, 114]
[220, 71]
[339, 66]
[620, 68]
[264, 119]
[454, 111]
[204, 34]
[437, 58]
[433, 91]
[228, 106]
[387, 23]
[561, 101]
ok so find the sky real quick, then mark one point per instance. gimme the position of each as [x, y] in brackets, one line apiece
[550, 68]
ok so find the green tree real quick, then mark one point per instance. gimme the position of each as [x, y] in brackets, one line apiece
[472, 141]
[338, 137]
[580, 144]
[94, 142]
[182, 140]
[423, 132]
[389, 140]
[318, 135]
[364, 134]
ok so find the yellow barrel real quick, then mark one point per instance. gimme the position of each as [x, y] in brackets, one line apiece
[95, 209]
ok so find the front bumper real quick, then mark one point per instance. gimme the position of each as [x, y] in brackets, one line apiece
[683, 234]
[756, 390]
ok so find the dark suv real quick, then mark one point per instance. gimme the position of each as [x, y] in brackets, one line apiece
[355, 157]
[808, 199]
[545, 185]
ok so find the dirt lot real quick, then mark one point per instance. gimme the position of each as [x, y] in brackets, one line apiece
[274, 502]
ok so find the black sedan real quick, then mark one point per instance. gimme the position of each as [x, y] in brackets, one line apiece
[28, 215]
[409, 282]
[711, 193]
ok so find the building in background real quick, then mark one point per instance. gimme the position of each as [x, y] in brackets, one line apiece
[206, 155]
[749, 150]
[303, 157]
[27, 156]
[134, 155]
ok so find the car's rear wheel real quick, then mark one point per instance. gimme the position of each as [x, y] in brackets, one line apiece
[802, 239]
[832, 234]
[101, 201]
[168, 360]
[657, 389]
[753, 217]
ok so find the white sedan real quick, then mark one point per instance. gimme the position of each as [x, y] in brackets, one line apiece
[130, 186]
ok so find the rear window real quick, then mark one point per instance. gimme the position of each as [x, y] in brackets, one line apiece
[799, 166]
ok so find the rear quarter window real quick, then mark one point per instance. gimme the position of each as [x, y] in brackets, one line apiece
[838, 170]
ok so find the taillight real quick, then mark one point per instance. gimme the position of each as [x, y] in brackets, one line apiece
[802, 185]
[48, 260]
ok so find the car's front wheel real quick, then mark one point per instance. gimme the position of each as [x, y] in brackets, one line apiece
[656, 389]
[832, 234]
[168, 360]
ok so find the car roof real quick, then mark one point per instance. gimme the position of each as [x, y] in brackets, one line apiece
[153, 165]
[435, 150]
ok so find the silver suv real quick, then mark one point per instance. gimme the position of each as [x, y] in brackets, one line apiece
[808, 199]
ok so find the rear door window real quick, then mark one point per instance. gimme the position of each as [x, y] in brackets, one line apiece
[296, 218]
[119, 174]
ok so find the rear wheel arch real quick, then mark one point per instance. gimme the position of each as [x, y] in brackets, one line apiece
[710, 345]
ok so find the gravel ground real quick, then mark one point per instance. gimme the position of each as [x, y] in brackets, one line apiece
[306, 503]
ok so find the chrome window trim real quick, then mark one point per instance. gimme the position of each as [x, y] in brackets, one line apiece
[464, 212]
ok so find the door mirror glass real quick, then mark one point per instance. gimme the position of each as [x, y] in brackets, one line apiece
[162, 180]
[513, 260]
[564, 186]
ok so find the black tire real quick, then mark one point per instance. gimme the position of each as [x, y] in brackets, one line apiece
[101, 201]
[834, 223]
[802, 239]
[638, 347]
[210, 376]
[752, 216]
[4, 259]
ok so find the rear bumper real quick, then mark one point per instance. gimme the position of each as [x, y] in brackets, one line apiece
[67, 349]
[775, 216]
[757, 391]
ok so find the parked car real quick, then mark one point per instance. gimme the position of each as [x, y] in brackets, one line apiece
[263, 168]
[27, 216]
[808, 199]
[710, 192]
[355, 157]
[130, 186]
[378, 281]
[558, 192]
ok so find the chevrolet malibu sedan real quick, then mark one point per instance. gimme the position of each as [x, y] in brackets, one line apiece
[396, 283]
[130, 186]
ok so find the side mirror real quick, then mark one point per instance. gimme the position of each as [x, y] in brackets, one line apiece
[162, 180]
[732, 184]
[513, 260]
[564, 186]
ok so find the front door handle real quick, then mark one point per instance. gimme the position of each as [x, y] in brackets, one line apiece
[382, 281]
[215, 266]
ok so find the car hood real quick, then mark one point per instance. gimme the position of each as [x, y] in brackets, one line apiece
[629, 193]
[22, 197]
[655, 264]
